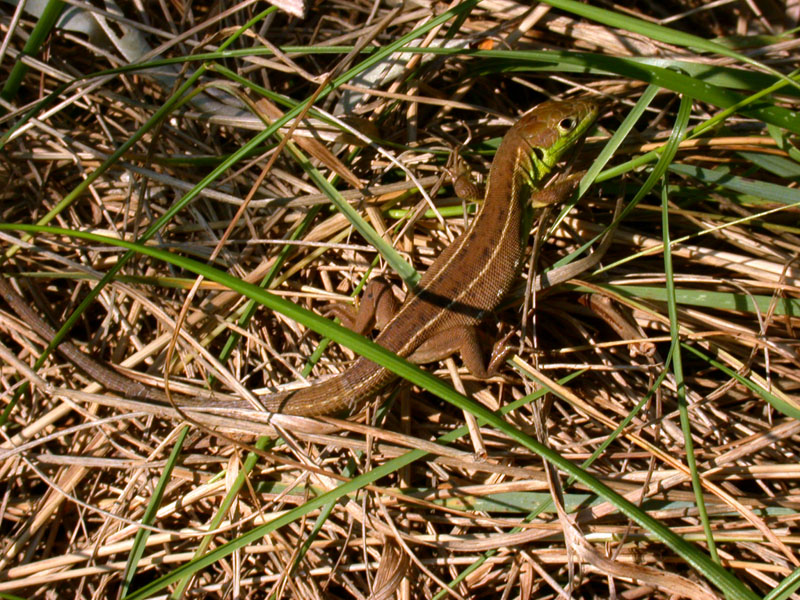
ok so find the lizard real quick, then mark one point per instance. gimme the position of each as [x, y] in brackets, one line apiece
[467, 280]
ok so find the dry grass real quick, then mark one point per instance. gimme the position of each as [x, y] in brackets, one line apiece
[83, 469]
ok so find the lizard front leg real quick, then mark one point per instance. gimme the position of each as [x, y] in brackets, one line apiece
[376, 308]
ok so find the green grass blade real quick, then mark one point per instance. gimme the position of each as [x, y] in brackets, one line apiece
[670, 150]
[657, 32]
[698, 559]
[708, 299]
[41, 30]
[779, 404]
[140, 541]
[222, 510]
[785, 588]
[771, 192]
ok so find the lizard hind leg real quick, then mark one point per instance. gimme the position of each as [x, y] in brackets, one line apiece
[464, 340]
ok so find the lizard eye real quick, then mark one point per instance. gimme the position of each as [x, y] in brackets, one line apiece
[567, 124]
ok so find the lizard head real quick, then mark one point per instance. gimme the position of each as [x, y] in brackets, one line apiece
[544, 135]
